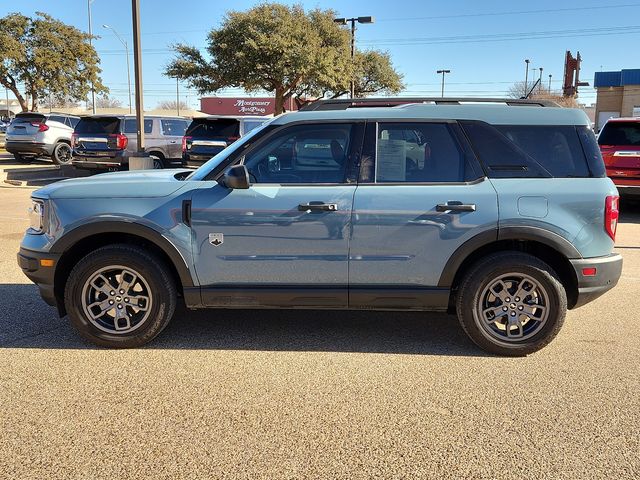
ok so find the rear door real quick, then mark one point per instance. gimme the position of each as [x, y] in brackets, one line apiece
[620, 146]
[25, 127]
[421, 195]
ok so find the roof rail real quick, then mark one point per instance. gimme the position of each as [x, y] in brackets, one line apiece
[345, 103]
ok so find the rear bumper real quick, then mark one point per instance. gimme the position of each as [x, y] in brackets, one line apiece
[29, 262]
[99, 162]
[629, 190]
[29, 148]
[608, 271]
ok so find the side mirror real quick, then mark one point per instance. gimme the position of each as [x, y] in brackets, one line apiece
[236, 177]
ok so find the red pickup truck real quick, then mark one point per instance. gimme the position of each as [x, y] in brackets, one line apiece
[619, 143]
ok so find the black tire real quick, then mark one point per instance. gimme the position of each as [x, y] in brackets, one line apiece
[62, 154]
[155, 278]
[477, 288]
[158, 161]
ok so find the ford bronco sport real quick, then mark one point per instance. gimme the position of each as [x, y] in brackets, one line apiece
[499, 212]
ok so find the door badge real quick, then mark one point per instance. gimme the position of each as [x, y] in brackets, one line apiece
[216, 239]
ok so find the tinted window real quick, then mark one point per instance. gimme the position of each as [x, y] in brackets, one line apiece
[416, 152]
[29, 117]
[250, 125]
[556, 148]
[131, 125]
[98, 125]
[620, 133]
[174, 128]
[302, 154]
[56, 118]
[72, 121]
[500, 156]
[221, 128]
[591, 151]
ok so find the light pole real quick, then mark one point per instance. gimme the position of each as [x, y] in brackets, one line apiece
[540, 83]
[526, 78]
[550, 82]
[93, 90]
[137, 65]
[343, 21]
[126, 49]
[443, 72]
[177, 96]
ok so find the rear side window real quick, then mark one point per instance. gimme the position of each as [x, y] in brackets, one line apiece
[131, 125]
[620, 133]
[500, 156]
[556, 148]
[98, 125]
[175, 128]
[417, 152]
[56, 118]
[222, 128]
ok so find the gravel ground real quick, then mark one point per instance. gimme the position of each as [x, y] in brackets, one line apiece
[300, 394]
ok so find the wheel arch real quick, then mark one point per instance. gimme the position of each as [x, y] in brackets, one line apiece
[547, 246]
[81, 240]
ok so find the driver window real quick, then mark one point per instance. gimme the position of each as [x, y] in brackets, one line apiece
[302, 154]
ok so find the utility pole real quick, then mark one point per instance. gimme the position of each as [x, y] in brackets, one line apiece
[177, 96]
[550, 82]
[443, 72]
[526, 77]
[93, 90]
[343, 21]
[540, 85]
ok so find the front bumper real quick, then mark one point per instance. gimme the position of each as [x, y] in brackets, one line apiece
[608, 271]
[28, 148]
[30, 263]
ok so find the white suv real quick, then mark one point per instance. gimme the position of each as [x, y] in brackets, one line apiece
[33, 134]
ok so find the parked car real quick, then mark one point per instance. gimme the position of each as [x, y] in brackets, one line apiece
[3, 126]
[208, 136]
[33, 134]
[500, 213]
[619, 142]
[105, 142]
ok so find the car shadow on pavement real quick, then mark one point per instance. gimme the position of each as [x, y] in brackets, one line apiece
[27, 322]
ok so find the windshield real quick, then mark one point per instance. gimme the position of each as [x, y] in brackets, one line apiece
[204, 170]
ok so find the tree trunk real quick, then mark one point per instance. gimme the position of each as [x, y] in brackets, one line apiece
[279, 107]
[34, 103]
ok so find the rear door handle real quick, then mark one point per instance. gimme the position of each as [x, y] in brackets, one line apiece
[318, 207]
[456, 207]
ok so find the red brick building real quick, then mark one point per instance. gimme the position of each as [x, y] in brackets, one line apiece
[242, 105]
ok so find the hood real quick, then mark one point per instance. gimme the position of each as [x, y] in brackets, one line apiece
[143, 184]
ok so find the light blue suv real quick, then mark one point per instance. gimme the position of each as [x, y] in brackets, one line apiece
[499, 212]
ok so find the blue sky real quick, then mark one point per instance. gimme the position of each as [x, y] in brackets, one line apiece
[484, 44]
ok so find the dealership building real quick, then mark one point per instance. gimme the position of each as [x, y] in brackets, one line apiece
[240, 106]
[618, 95]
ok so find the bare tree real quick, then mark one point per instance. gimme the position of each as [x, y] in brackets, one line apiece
[48, 103]
[106, 101]
[540, 92]
[172, 105]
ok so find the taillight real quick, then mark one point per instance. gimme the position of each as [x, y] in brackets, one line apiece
[41, 126]
[611, 214]
[121, 141]
[74, 140]
[186, 143]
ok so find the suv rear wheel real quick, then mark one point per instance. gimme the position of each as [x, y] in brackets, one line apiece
[511, 303]
[62, 154]
[120, 296]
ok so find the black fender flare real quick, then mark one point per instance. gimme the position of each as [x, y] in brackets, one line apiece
[78, 233]
[526, 233]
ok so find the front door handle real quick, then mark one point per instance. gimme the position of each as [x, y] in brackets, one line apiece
[318, 207]
[456, 207]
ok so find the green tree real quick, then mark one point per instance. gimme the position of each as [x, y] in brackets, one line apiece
[280, 49]
[46, 56]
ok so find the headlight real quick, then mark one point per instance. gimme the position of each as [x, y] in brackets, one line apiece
[36, 215]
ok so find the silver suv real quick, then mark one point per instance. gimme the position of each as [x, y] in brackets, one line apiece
[105, 142]
[33, 134]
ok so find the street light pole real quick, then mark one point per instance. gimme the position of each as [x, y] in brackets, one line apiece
[443, 72]
[126, 49]
[93, 90]
[343, 21]
[526, 78]
[137, 65]
[540, 83]
[550, 82]
[177, 96]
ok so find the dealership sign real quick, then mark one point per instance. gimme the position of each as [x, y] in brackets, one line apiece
[241, 105]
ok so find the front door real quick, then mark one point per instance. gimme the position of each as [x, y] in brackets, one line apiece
[421, 195]
[285, 240]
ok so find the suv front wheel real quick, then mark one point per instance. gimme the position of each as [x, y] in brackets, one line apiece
[511, 303]
[120, 296]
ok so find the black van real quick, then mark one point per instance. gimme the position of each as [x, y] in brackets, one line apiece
[208, 136]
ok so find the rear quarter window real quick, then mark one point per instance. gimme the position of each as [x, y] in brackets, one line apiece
[98, 126]
[175, 128]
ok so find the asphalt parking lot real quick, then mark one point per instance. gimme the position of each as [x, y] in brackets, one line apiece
[300, 394]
